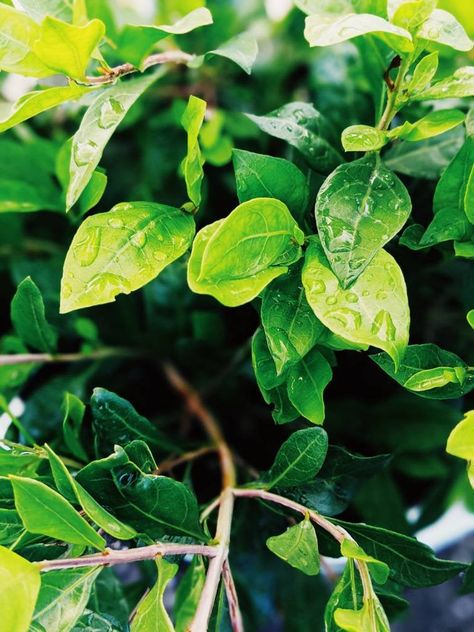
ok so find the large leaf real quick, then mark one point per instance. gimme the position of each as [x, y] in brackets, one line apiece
[234, 258]
[373, 311]
[154, 505]
[28, 318]
[241, 49]
[192, 121]
[120, 251]
[359, 208]
[303, 127]
[61, 9]
[45, 512]
[99, 123]
[298, 546]
[19, 587]
[151, 612]
[443, 28]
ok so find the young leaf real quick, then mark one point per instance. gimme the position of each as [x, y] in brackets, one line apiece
[63, 597]
[433, 124]
[257, 175]
[360, 207]
[28, 318]
[151, 613]
[424, 72]
[242, 50]
[99, 123]
[298, 546]
[306, 383]
[303, 127]
[379, 570]
[66, 48]
[461, 442]
[188, 593]
[44, 511]
[19, 587]
[74, 411]
[192, 121]
[363, 138]
[373, 311]
[234, 258]
[370, 617]
[459, 84]
[423, 370]
[443, 28]
[409, 14]
[299, 459]
[120, 251]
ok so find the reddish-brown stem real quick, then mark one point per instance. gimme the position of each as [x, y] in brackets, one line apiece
[170, 464]
[232, 599]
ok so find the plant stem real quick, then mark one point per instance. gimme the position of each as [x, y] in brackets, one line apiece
[391, 108]
[232, 599]
[165, 466]
[99, 354]
[110, 556]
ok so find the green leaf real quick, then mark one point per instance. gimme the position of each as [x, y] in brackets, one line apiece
[241, 49]
[423, 370]
[99, 123]
[28, 318]
[153, 505]
[299, 459]
[347, 594]
[151, 612]
[18, 32]
[74, 411]
[443, 28]
[370, 617]
[290, 326]
[306, 383]
[459, 84]
[410, 14]
[470, 317]
[360, 207]
[94, 622]
[433, 124]
[303, 127]
[375, 309]
[235, 258]
[192, 121]
[137, 41]
[363, 138]
[62, 599]
[116, 422]
[122, 250]
[461, 442]
[33, 103]
[423, 73]
[257, 175]
[11, 526]
[44, 511]
[65, 48]
[298, 546]
[188, 593]
[328, 30]
[379, 570]
[19, 587]
[70, 488]
[61, 9]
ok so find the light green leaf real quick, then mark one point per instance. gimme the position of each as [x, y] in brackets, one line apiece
[360, 207]
[97, 127]
[28, 318]
[151, 613]
[242, 50]
[470, 317]
[298, 546]
[70, 488]
[375, 309]
[458, 85]
[61, 9]
[290, 326]
[303, 127]
[435, 378]
[461, 442]
[410, 14]
[234, 258]
[379, 570]
[306, 383]
[363, 138]
[62, 599]
[433, 124]
[120, 251]
[424, 72]
[66, 48]
[137, 41]
[188, 594]
[443, 28]
[299, 459]
[11, 526]
[44, 511]
[464, 249]
[328, 30]
[192, 121]
[19, 587]
[18, 32]
[33, 103]
[74, 411]
[370, 617]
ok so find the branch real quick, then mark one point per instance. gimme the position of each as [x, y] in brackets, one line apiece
[232, 599]
[111, 556]
[170, 464]
[99, 354]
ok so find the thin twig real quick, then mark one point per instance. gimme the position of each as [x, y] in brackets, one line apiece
[99, 354]
[170, 464]
[232, 599]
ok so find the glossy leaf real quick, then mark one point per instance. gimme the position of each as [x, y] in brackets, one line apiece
[379, 570]
[370, 617]
[461, 442]
[61, 9]
[433, 124]
[19, 587]
[241, 49]
[443, 28]
[373, 311]
[120, 251]
[11, 526]
[44, 511]
[74, 411]
[234, 258]
[28, 318]
[151, 613]
[360, 207]
[410, 14]
[306, 383]
[459, 84]
[423, 73]
[303, 127]
[298, 546]
[192, 121]
[363, 138]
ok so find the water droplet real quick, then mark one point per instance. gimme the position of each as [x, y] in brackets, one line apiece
[341, 237]
[159, 256]
[348, 318]
[115, 222]
[318, 287]
[388, 266]
[84, 153]
[108, 284]
[87, 249]
[111, 111]
[351, 297]
[66, 290]
[381, 295]
[331, 300]
[383, 326]
[139, 239]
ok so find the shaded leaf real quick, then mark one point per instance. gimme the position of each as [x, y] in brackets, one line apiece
[28, 318]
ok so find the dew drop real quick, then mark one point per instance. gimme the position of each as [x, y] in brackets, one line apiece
[365, 293]
[110, 113]
[351, 297]
[159, 256]
[318, 287]
[383, 326]
[139, 239]
[115, 222]
[348, 318]
[109, 285]
[381, 295]
[84, 153]
[87, 249]
[331, 300]
[66, 290]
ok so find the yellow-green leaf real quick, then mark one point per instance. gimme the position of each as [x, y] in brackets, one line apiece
[19, 588]
[192, 121]
[461, 442]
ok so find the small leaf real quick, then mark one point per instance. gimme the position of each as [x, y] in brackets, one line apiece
[435, 378]
[433, 124]
[120, 251]
[424, 72]
[151, 613]
[459, 84]
[470, 317]
[379, 570]
[306, 383]
[192, 121]
[45, 512]
[298, 546]
[234, 258]
[28, 318]
[370, 617]
[299, 459]
[363, 138]
[66, 48]
[461, 442]
[443, 28]
[74, 411]
[19, 587]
